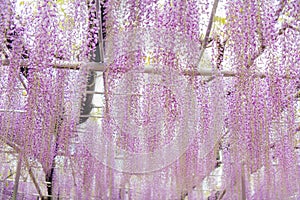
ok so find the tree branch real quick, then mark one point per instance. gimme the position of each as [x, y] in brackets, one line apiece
[222, 194]
[280, 9]
[262, 46]
[33, 179]
[208, 30]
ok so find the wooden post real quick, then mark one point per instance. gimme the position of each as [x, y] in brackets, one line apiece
[17, 178]
[243, 182]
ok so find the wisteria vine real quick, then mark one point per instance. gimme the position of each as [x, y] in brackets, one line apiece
[162, 128]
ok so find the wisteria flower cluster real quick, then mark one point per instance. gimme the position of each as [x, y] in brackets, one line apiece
[166, 125]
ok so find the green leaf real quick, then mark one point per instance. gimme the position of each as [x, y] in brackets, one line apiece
[221, 20]
[60, 2]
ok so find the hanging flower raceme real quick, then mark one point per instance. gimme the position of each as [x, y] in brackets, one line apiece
[35, 119]
[151, 109]
[259, 106]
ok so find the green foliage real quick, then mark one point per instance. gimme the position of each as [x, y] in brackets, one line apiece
[60, 2]
[221, 20]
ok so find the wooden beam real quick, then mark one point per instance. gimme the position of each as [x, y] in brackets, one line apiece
[102, 67]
